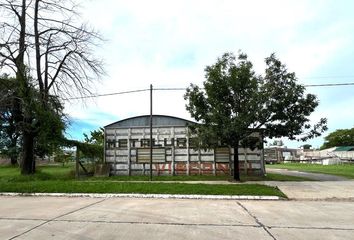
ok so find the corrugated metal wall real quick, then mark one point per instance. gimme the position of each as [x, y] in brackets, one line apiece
[127, 150]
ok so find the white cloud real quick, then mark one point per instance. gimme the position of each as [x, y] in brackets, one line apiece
[168, 44]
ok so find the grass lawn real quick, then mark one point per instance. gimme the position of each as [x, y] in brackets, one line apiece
[279, 177]
[58, 179]
[344, 170]
[244, 178]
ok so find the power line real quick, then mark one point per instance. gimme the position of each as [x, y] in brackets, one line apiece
[107, 94]
[170, 89]
[326, 77]
[329, 85]
[183, 89]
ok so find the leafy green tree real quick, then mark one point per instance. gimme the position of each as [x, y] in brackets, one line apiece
[307, 146]
[48, 123]
[49, 127]
[63, 157]
[235, 102]
[86, 150]
[9, 134]
[340, 137]
[96, 137]
[94, 144]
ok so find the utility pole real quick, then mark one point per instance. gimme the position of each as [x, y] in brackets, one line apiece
[150, 132]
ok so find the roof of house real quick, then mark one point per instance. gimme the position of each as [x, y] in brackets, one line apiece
[344, 149]
[144, 121]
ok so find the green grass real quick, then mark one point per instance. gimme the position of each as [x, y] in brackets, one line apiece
[169, 178]
[129, 187]
[67, 173]
[12, 174]
[58, 179]
[344, 170]
[279, 177]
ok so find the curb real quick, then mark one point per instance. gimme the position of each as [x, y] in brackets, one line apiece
[154, 196]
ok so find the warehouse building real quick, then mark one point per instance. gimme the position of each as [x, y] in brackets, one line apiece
[127, 150]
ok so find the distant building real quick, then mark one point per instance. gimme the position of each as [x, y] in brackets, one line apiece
[127, 149]
[334, 155]
[276, 154]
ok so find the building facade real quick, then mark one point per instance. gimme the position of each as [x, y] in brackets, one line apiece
[127, 150]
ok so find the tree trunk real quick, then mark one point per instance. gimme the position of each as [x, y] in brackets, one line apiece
[13, 152]
[236, 163]
[27, 165]
[13, 160]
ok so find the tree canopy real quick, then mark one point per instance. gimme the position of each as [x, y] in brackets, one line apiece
[9, 132]
[48, 123]
[235, 101]
[95, 137]
[340, 137]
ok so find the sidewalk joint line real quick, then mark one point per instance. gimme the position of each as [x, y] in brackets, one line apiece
[257, 220]
[53, 219]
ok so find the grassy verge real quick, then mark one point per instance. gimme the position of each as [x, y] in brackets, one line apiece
[57, 179]
[344, 170]
[129, 187]
[278, 177]
[11, 174]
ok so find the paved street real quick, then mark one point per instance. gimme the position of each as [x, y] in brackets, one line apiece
[122, 218]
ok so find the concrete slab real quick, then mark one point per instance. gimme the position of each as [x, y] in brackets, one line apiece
[86, 218]
[165, 211]
[316, 190]
[303, 214]
[312, 234]
[10, 228]
[108, 231]
[40, 207]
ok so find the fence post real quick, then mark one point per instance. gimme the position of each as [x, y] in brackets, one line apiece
[77, 174]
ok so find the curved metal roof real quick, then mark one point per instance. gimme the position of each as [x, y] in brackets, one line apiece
[144, 121]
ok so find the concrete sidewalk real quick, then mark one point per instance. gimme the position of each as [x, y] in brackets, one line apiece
[311, 190]
[325, 187]
[118, 218]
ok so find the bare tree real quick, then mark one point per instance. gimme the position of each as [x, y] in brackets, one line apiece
[45, 39]
[63, 49]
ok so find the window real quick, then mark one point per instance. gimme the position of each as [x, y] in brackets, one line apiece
[122, 143]
[158, 155]
[181, 142]
[169, 142]
[145, 142]
[134, 143]
[110, 144]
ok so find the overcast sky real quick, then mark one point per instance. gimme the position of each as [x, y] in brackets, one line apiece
[169, 43]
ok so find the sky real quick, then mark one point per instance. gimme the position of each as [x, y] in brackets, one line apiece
[169, 43]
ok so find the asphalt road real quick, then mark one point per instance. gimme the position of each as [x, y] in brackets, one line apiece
[121, 218]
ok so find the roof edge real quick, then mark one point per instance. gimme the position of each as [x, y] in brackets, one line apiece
[154, 115]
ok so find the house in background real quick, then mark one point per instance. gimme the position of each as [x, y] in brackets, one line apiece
[127, 150]
[329, 156]
[280, 154]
